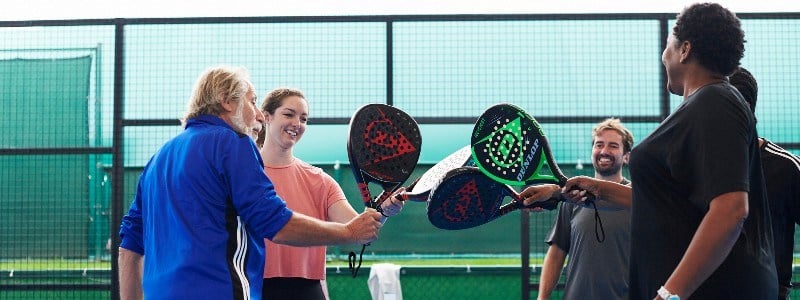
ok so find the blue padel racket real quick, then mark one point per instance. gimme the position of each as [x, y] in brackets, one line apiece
[467, 198]
[421, 188]
[383, 147]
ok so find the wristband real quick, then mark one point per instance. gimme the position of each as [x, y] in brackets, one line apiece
[664, 294]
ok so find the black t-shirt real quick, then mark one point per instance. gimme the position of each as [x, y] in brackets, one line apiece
[707, 147]
[782, 175]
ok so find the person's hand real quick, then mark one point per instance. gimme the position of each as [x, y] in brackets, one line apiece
[392, 206]
[577, 188]
[364, 228]
[535, 209]
[537, 193]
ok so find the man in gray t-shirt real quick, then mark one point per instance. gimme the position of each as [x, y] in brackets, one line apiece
[595, 270]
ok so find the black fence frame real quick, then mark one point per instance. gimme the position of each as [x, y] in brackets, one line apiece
[120, 122]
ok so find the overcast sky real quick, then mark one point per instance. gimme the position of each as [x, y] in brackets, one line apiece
[91, 9]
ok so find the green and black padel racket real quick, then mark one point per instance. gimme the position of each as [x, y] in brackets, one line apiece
[509, 146]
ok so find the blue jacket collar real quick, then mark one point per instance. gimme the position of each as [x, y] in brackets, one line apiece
[208, 119]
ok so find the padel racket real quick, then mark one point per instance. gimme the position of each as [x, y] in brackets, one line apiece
[509, 146]
[467, 198]
[421, 188]
[383, 147]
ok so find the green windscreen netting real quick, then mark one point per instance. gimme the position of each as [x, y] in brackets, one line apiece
[44, 210]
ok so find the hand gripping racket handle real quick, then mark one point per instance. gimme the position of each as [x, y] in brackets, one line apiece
[549, 204]
[590, 198]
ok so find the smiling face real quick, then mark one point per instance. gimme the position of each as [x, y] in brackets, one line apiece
[287, 124]
[608, 154]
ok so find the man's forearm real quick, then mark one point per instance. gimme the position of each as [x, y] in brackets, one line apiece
[551, 271]
[302, 230]
[619, 194]
[131, 266]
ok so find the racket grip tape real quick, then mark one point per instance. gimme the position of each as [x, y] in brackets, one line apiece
[508, 208]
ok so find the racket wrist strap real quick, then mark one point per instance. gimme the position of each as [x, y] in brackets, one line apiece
[351, 261]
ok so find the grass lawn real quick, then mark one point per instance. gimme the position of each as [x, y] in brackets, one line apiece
[53, 264]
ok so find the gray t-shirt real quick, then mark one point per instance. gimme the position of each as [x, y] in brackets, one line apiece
[594, 270]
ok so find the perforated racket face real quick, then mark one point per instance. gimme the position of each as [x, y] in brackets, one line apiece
[384, 142]
[508, 145]
[465, 198]
[432, 176]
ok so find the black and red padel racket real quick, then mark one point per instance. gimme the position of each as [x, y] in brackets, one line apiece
[383, 147]
[467, 198]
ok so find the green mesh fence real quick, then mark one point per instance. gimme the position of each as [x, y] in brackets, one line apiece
[44, 198]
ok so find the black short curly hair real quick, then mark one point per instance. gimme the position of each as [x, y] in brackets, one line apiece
[716, 36]
[747, 85]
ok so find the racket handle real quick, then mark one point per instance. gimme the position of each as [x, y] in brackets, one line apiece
[402, 196]
[376, 204]
[507, 209]
[381, 197]
[405, 196]
[412, 185]
[549, 204]
[379, 200]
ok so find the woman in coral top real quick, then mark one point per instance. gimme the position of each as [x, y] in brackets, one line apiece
[299, 272]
